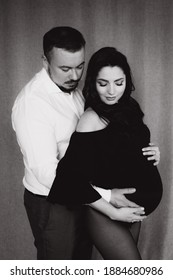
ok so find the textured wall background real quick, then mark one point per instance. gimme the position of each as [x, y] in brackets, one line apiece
[141, 29]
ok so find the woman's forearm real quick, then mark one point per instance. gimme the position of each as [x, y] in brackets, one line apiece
[105, 207]
[124, 214]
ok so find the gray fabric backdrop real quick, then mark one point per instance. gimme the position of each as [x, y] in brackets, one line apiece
[143, 30]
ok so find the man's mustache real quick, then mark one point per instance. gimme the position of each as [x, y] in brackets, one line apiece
[72, 82]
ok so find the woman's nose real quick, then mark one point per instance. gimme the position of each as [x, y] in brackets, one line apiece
[111, 89]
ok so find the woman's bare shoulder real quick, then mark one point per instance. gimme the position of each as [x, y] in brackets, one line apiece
[89, 121]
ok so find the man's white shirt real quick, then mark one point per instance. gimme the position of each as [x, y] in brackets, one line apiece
[44, 119]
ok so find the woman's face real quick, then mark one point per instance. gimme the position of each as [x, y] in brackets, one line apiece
[111, 84]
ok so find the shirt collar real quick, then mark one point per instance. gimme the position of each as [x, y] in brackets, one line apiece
[51, 86]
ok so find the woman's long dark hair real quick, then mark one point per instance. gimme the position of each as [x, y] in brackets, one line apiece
[109, 56]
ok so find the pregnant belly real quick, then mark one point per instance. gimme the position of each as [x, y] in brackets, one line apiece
[148, 192]
[147, 181]
[143, 176]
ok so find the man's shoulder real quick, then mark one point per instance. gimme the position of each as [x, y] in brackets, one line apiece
[34, 89]
[88, 121]
[32, 83]
[36, 82]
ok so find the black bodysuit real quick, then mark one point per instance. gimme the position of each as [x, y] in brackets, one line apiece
[108, 158]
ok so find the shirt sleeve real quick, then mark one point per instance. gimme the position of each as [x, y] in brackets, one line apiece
[106, 194]
[35, 134]
[72, 184]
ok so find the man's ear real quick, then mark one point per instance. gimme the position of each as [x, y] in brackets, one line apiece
[45, 62]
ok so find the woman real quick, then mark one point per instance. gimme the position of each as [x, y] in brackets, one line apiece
[105, 151]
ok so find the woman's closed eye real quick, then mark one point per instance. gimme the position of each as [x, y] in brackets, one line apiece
[102, 84]
[119, 84]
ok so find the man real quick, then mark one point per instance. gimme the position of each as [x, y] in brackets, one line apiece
[44, 116]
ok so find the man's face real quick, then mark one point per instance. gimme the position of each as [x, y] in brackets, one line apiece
[66, 68]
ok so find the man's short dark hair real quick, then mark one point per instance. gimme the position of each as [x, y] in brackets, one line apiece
[63, 37]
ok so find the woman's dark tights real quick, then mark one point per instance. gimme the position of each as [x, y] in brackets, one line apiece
[114, 240]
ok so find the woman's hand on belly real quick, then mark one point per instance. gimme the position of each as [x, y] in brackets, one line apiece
[124, 214]
[152, 152]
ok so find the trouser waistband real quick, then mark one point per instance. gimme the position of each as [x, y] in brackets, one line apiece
[36, 195]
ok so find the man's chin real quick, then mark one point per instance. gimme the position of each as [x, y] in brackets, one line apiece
[69, 89]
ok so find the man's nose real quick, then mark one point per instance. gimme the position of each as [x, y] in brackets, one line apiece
[74, 75]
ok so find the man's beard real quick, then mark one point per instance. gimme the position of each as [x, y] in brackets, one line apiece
[68, 90]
